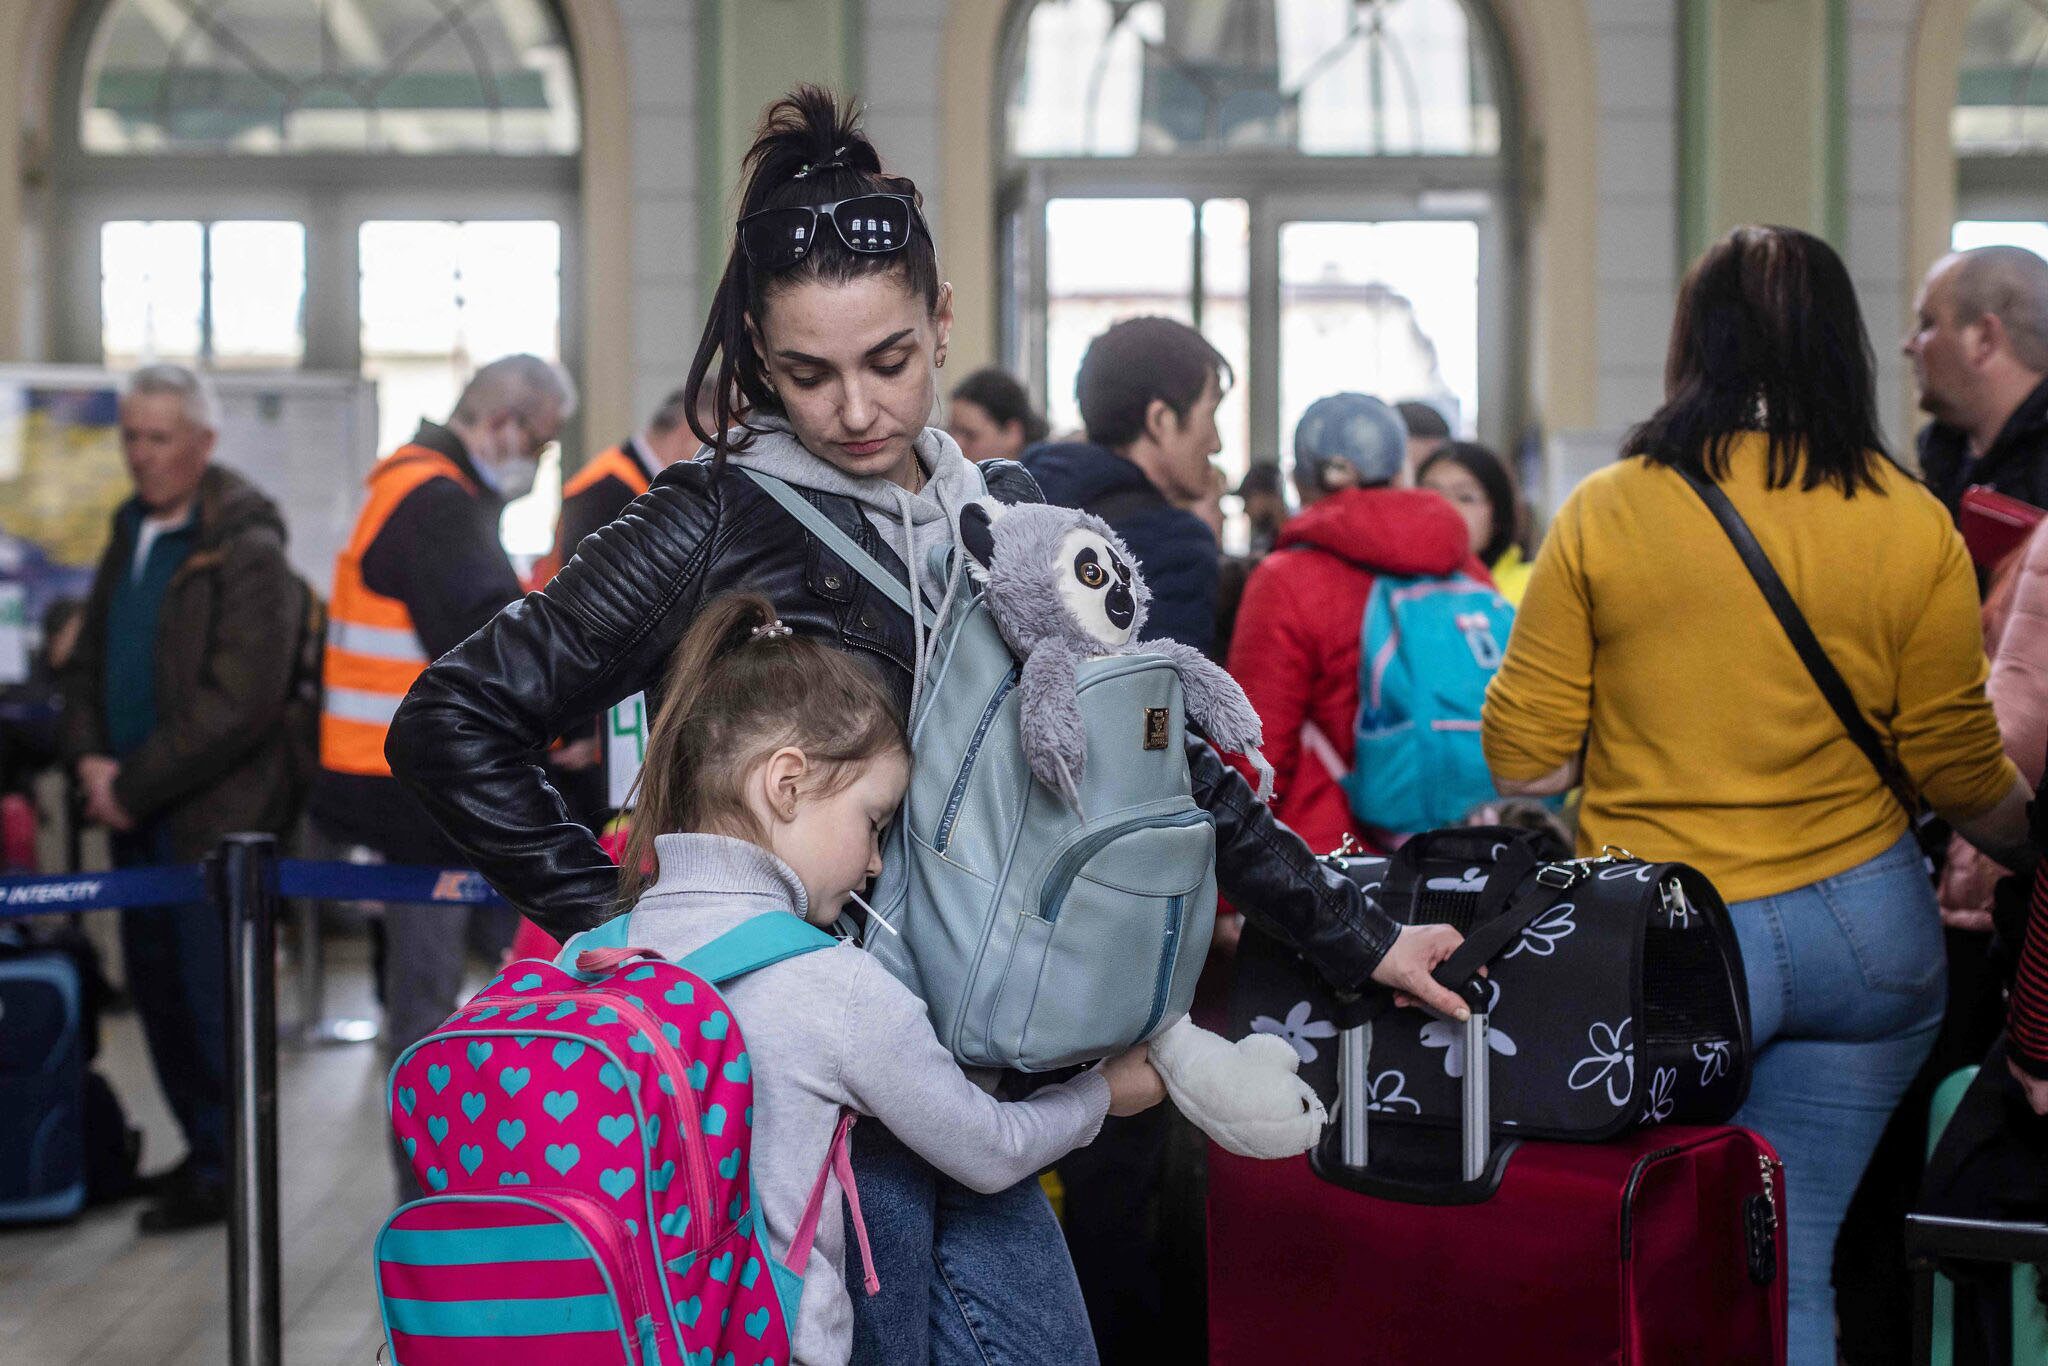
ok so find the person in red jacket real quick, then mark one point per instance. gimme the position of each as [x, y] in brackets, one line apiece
[1295, 650]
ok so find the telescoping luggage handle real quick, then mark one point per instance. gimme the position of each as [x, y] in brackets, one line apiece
[1528, 899]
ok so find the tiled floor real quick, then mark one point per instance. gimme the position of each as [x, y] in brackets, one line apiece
[95, 1292]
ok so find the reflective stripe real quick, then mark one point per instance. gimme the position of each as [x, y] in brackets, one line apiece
[379, 642]
[349, 704]
[474, 1246]
[503, 1318]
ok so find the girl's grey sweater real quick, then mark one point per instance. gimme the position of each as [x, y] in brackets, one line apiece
[831, 1029]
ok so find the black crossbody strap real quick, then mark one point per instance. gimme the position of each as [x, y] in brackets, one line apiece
[1825, 675]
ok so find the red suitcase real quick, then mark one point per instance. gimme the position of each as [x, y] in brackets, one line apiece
[1664, 1247]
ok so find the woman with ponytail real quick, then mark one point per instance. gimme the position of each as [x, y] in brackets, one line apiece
[828, 329]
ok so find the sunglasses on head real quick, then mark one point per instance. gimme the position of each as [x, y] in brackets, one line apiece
[870, 224]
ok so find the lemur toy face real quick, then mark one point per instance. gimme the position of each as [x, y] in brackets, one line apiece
[1096, 588]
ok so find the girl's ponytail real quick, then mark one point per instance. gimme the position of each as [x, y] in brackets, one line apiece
[740, 686]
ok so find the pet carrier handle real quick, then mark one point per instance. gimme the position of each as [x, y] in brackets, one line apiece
[1529, 902]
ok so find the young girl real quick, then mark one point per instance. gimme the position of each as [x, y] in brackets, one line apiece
[780, 761]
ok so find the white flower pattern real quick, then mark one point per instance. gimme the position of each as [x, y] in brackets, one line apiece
[1713, 1059]
[1541, 938]
[1451, 1037]
[1661, 1100]
[1613, 1060]
[1389, 1095]
[1297, 1029]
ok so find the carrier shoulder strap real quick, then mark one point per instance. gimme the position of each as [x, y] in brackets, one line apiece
[841, 544]
[1825, 676]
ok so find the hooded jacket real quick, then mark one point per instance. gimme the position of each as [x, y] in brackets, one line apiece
[2016, 464]
[1295, 651]
[465, 738]
[1175, 549]
[218, 758]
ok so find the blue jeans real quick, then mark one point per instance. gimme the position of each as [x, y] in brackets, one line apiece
[175, 959]
[1846, 989]
[967, 1279]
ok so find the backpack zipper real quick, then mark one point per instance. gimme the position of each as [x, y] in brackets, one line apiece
[944, 835]
[1167, 955]
[1068, 866]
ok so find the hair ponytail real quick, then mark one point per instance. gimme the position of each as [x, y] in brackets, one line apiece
[809, 149]
[735, 692]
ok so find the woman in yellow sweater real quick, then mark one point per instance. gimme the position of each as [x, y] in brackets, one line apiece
[1646, 664]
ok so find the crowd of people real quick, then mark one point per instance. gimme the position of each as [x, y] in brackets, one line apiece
[1645, 695]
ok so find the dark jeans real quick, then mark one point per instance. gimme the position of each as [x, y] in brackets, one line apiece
[176, 962]
[967, 1279]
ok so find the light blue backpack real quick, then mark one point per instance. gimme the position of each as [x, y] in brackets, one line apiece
[1038, 935]
[1428, 648]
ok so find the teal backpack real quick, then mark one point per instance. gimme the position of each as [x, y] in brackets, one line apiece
[1428, 648]
[1039, 935]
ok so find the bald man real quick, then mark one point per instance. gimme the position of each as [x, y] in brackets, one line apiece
[1979, 348]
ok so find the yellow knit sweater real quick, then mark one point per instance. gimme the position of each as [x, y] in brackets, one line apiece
[1643, 637]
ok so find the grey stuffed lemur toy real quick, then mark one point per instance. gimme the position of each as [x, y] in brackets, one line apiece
[1062, 588]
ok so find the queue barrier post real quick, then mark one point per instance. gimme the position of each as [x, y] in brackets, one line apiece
[242, 876]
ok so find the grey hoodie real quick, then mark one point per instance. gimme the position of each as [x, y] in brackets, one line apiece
[832, 1029]
[910, 523]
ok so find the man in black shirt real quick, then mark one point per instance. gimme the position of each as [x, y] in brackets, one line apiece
[1979, 348]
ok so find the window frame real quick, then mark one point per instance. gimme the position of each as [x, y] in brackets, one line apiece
[1282, 188]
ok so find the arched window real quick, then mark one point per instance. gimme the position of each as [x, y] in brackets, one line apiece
[2000, 126]
[1323, 187]
[385, 187]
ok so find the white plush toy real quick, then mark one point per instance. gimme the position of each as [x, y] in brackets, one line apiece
[1062, 587]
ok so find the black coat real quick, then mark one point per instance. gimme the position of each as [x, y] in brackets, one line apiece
[466, 738]
[2016, 465]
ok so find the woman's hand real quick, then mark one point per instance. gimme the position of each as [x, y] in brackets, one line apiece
[1416, 952]
[1134, 1085]
[1967, 880]
[2035, 1088]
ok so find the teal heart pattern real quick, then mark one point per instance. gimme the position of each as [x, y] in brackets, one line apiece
[619, 1142]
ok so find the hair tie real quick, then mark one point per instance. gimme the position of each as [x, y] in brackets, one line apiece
[835, 160]
[772, 629]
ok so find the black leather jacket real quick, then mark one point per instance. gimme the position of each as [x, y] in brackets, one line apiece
[468, 738]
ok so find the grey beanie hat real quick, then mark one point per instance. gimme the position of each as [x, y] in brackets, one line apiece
[1355, 428]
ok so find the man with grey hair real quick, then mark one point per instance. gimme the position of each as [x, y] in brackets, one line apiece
[1979, 347]
[422, 571]
[175, 703]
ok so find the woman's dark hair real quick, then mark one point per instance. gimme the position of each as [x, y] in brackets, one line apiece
[1136, 361]
[1768, 339]
[736, 693]
[809, 149]
[996, 392]
[1492, 473]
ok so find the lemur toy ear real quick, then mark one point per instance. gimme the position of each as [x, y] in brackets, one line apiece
[977, 535]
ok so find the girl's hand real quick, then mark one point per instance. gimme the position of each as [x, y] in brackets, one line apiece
[1134, 1086]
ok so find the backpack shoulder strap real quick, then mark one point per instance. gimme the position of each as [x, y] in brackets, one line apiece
[767, 938]
[842, 545]
[610, 935]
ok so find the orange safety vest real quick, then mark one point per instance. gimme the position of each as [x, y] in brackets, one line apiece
[373, 649]
[614, 463]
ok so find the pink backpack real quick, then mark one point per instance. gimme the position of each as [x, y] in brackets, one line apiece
[584, 1141]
